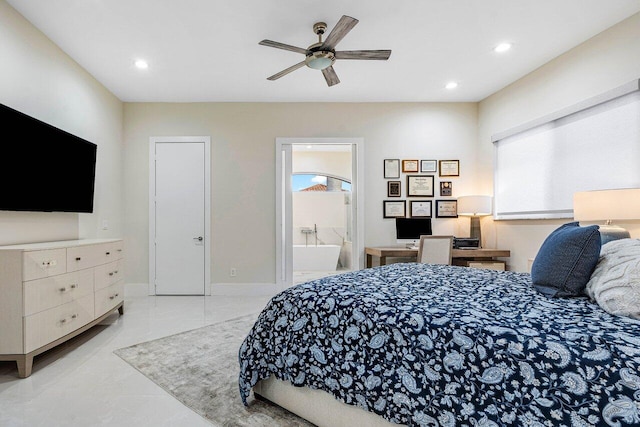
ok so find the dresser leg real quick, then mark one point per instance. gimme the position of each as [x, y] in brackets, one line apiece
[121, 309]
[25, 364]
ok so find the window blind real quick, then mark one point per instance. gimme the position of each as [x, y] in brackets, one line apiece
[593, 145]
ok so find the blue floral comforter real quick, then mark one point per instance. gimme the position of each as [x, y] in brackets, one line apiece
[431, 345]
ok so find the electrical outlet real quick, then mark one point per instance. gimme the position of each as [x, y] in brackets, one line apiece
[105, 224]
[232, 272]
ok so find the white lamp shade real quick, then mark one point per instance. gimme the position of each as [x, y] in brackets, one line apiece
[474, 205]
[622, 204]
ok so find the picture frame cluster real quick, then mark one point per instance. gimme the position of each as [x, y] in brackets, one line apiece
[420, 182]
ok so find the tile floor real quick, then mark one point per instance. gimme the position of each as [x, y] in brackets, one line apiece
[82, 383]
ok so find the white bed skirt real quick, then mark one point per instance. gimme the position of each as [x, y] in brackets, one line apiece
[316, 406]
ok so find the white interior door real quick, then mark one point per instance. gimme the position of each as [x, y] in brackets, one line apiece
[180, 218]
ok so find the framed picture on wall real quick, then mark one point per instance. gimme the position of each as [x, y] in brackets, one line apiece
[409, 166]
[446, 209]
[393, 189]
[449, 167]
[394, 208]
[446, 189]
[428, 166]
[392, 168]
[420, 208]
[419, 185]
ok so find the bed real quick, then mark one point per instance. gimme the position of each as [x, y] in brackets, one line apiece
[437, 345]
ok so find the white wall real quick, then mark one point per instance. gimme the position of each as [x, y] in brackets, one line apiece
[40, 80]
[243, 167]
[604, 62]
[332, 163]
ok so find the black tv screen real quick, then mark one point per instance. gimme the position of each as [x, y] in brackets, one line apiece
[43, 168]
[412, 228]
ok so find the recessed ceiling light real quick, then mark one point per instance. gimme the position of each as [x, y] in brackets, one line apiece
[309, 147]
[451, 85]
[141, 64]
[502, 47]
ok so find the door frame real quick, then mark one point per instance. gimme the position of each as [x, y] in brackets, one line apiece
[206, 140]
[284, 241]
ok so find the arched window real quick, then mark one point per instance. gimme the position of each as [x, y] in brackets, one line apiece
[315, 182]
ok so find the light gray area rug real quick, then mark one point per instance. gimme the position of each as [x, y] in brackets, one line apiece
[200, 368]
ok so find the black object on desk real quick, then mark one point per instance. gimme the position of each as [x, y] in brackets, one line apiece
[466, 242]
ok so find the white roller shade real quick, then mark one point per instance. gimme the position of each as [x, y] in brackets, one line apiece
[594, 145]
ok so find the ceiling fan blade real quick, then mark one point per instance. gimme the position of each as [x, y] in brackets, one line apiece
[344, 25]
[330, 76]
[286, 71]
[363, 54]
[279, 45]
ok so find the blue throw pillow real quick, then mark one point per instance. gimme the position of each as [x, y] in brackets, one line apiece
[566, 260]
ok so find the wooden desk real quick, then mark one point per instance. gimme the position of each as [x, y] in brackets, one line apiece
[457, 255]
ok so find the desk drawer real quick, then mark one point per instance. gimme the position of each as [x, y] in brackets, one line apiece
[489, 265]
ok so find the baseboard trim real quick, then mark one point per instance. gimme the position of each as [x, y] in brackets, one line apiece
[136, 289]
[219, 289]
[244, 289]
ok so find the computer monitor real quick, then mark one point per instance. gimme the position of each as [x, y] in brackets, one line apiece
[409, 230]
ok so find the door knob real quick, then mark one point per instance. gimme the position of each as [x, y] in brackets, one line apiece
[199, 239]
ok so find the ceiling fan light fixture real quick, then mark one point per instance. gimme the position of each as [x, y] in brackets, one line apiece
[320, 60]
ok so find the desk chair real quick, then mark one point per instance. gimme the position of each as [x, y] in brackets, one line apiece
[435, 249]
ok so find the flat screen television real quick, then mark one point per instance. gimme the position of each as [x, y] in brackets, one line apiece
[409, 230]
[43, 168]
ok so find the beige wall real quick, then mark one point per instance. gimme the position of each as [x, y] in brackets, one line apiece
[40, 80]
[243, 167]
[604, 62]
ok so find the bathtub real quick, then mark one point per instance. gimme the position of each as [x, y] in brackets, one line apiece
[315, 258]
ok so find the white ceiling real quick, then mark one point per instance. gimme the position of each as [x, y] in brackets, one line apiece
[207, 50]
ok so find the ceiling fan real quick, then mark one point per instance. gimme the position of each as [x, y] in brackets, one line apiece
[322, 55]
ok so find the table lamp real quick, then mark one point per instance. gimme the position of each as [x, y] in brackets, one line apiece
[475, 207]
[608, 206]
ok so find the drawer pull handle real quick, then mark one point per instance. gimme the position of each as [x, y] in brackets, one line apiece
[78, 258]
[116, 271]
[73, 317]
[72, 287]
[119, 250]
[111, 273]
[108, 253]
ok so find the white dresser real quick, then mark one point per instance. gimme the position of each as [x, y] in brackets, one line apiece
[53, 291]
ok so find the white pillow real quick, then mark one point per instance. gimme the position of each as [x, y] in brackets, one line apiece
[615, 282]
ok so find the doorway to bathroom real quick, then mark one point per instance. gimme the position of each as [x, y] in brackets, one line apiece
[318, 204]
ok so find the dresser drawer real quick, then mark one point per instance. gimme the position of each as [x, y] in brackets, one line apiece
[81, 257]
[38, 264]
[42, 294]
[108, 298]
[107, 274]
[49, 325]
[113, 251]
